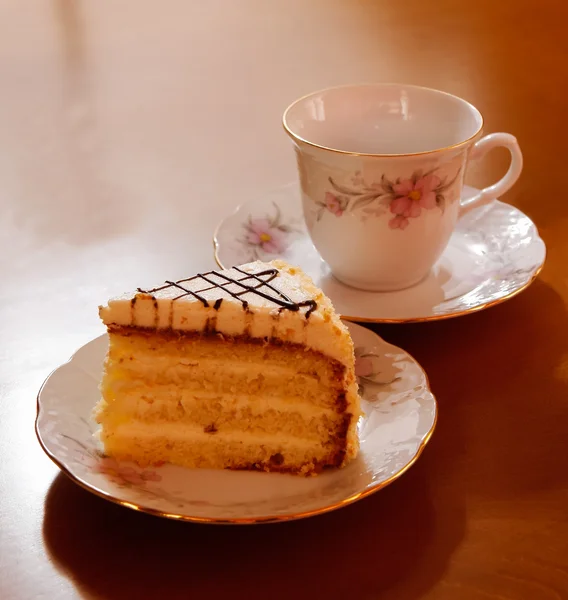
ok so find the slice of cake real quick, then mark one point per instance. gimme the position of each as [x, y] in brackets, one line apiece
[246, 368]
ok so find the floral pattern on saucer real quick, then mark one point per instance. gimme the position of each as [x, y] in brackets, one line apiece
[400, 415]
[373, 370]
[403, 198]
[267, 236]
[125, 475]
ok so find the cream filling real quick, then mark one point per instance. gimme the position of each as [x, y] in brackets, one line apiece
[155, 364]
[178, 432]
[257, 404]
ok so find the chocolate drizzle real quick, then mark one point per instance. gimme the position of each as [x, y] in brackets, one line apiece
[259, 284]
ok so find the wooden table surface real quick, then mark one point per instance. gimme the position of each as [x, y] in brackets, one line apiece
[127, 130]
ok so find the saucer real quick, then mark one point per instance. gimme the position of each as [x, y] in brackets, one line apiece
[494, 253]
[400, 415]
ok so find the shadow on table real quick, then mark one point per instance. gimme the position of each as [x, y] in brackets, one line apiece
[362, 551]
[501, 377]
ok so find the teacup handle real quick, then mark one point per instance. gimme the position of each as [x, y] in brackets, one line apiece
[480, 148]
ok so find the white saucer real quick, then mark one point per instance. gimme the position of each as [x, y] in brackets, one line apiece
[400, 415]
[494, 253]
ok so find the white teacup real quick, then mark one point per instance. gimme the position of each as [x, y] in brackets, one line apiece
[381, 170]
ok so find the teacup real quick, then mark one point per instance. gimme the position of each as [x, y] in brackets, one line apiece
[381, 171]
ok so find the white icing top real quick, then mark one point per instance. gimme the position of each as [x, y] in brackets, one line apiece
[205, 302]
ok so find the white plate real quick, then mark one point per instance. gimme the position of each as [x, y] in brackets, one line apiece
[494, 253]
[400, 417]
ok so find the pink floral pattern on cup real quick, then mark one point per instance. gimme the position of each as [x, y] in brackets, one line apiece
[334, 204]
[404, 199]
[412, 197]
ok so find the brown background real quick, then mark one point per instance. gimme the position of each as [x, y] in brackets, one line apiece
[127, 130]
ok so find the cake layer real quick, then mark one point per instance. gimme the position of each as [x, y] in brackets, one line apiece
[174, 395]
[227, 382]
[206, 364]
[257, 414]
[289, 389]
[189, 446]
[149, 346]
